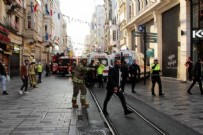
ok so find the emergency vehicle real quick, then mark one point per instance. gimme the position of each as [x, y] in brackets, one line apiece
[102, 58]
[65, 65]
[129, 56]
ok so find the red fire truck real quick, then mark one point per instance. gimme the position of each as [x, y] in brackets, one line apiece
[65, 64]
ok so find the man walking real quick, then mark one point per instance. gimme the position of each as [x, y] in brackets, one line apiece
[135, 74]
[3, 75]
[196, 77]
[24, 76]
[113, 86]
[156, 77]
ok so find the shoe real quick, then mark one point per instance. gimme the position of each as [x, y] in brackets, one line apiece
[133, 91]
[26, 92]
[85, 105]
[105, 112]
[74, 105]
[153, 94]
[20, 91]
[128, 112]
[4, 93]
[161, 94]
[189, 92]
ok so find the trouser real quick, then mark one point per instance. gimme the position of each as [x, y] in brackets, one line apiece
[39, 77]
[79, 87]
[100, 80]
[25, 83]
[156, 79]
[123, 83]
[196, 79]
[108, 97]
[190, 74]
[3, 82]
[134, 80]
[33, 80]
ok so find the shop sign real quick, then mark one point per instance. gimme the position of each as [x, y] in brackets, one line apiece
[9, 48]
[4, 39]
[8, 52]
[3, 30]
[197, 33]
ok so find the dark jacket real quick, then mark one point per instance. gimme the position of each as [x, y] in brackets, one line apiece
[197, 70]
[135, 70]
[2, 69]
[125, 71]
[113, 78]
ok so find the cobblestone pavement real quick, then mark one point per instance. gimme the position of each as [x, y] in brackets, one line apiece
[46, 110]
[188, 109]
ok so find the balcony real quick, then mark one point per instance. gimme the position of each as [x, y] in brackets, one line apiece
[12, 5]
[12, 26]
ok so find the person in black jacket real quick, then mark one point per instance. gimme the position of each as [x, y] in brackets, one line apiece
[135, 74]
[124, 71]
[91, 75]
[113, 86]
[196, 76]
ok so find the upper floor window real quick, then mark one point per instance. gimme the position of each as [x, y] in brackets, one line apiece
[114, 35]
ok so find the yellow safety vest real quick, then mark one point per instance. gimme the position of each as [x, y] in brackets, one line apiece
[39, 68]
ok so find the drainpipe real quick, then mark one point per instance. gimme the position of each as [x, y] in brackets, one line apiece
[191, 27]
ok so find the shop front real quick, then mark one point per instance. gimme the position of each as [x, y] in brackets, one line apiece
[4, 40]
[197, 29]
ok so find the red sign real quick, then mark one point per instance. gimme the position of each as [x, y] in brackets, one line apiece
[2, 29]
[4, 39]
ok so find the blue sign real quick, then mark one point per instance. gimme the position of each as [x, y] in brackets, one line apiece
[140, 27]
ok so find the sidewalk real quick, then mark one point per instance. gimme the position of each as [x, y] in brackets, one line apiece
[47, 110]
[188, 109]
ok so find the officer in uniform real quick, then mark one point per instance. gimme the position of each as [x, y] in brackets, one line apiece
[79, 83]
[156, 77]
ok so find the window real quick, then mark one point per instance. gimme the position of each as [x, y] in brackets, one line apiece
[16, 23]
[45, 28]
[138, 5]
[114, 35]
[29, 21]
[130, 14]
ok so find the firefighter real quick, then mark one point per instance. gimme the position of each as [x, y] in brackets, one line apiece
[79, 83]
[156, 77]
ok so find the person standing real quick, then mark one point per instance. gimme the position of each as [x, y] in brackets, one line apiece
[124, 75]
[3, 75]
[91, 74]
[189, 65]
[33, 79]
[100, 70]
[113, 86]
[135, 74]
[39, 71]
[24, 76]
[196, 76]
[79, 83]
[47, 70]
[156, 77]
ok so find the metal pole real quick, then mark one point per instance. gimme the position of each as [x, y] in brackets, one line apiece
[145, 57]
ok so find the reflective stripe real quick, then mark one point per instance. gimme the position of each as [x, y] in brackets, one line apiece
[82, 96]
[74, 98]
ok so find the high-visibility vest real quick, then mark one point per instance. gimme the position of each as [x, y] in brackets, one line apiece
[156, 70]
[39, 68]
[100, 69]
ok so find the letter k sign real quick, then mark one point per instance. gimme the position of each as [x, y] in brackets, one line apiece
[198, 34]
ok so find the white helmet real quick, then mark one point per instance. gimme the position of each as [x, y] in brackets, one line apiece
[155, 59]
[83, 58]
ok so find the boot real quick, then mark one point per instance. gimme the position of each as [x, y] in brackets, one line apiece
[74, 104]
[84, 103]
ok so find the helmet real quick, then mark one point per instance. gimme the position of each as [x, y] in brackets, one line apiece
[155, 59]
[83, 58]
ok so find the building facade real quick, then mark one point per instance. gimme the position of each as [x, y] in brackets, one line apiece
[169, 32]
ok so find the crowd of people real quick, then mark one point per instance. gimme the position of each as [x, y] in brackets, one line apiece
[28, 73]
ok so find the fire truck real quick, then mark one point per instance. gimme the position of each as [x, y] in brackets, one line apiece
[65, 65]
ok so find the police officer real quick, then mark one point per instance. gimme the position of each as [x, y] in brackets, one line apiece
[79, 83]
[156, 77]
[39, 71]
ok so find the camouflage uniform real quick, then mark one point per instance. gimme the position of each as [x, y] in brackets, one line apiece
[79, 84]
